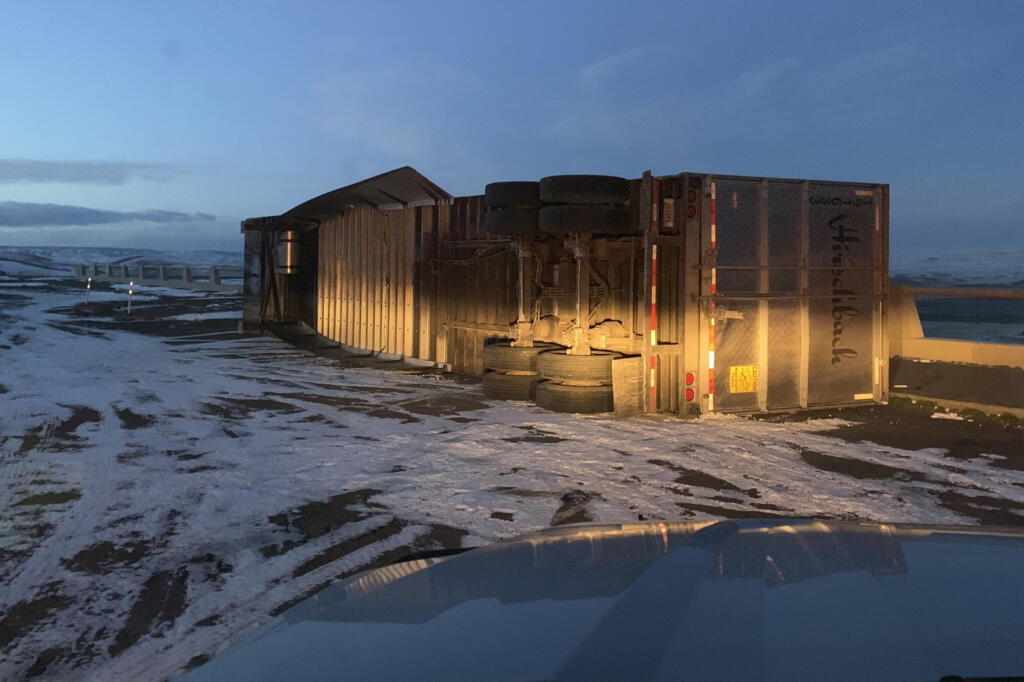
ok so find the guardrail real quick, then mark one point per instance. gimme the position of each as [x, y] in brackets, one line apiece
[202, 278]
[907, 339]
[956, 373]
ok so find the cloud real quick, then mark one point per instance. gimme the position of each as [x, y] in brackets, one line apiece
[432, 115]
[20, 214]
[875, 82]
[15, 171]
[758, 81]
[614, 63]
[655, 117]
[400, 109]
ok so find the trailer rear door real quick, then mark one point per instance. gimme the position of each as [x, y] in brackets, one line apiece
[793, 283]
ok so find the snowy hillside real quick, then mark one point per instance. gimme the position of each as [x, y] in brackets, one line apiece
[957, 267]
[46, 261]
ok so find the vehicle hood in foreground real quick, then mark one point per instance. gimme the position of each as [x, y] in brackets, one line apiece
[771, 600]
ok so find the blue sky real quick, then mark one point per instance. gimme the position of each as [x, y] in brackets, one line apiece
[164, 124]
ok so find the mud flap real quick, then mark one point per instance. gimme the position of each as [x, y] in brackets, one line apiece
[628, 386]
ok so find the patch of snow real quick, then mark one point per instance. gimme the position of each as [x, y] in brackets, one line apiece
[155, 291]
[947, 415]
[220, 315]
[991, 456]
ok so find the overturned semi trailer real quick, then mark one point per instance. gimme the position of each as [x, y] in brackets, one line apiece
[690, 293]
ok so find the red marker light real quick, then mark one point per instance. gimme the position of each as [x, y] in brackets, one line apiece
[689, 379]
[689, 394]
[692, 195]
[691, 211]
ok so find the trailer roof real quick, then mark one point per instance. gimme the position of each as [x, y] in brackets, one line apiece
[398, 188]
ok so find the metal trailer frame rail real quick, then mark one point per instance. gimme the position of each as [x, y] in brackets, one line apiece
[734, 294]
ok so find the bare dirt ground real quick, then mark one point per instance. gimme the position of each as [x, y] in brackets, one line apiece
[910, 425]
[170, 484]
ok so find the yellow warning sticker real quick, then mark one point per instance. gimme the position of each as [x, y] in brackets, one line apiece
[743, 379]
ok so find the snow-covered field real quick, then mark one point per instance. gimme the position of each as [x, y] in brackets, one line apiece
[60, 261]
[168, 484]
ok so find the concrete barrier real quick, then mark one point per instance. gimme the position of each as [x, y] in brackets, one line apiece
[204, 278]
[907, 337]
[987, 376]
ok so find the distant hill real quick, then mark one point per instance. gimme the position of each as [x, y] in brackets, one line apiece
[60, 261]
[957, 267]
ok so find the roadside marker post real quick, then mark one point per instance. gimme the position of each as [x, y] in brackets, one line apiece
[88, 286]
[131, 286]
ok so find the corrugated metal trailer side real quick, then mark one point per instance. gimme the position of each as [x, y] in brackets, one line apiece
[365, 280]
[425, 282]
[475, 277]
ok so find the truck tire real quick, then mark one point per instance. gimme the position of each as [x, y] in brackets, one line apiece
[575, 399]
[507, 194]
[503, 386]
[580, 370]
[511, 221]
[584, 189]
[613, 220]
[504, 357]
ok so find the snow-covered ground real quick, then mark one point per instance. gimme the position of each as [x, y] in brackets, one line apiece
[164, 491]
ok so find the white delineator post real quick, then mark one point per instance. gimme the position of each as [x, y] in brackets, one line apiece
[88, 286]
[131, 290]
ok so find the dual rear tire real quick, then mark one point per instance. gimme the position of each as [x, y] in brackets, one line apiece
[577, 370]
[512, 208]
[559, 204]
[576, 399]
[512, 371]
[584, 189]
[580, 384]
[594, 204]
[504, 357]
[545, 373]
[503, 386]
